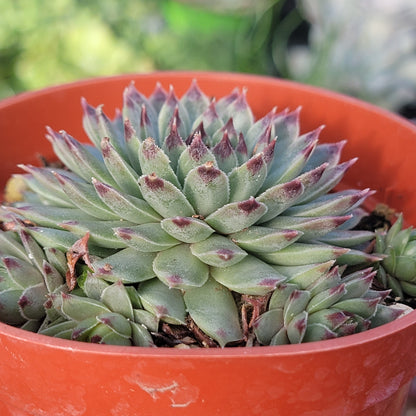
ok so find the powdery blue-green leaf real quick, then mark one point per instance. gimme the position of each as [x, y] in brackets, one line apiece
[79, 308]
[116, 322]
[213, 309]
[141, 336]
[117, 299]
[267, 325]
[127, 265]
[312, 228]
[296, 328]
[164, 303]
[263, 239]
[128, 207]
[178, 268]
[250, 276]
[298, 254]
[164, 197]
[280, 197]
[149, 238]
[218, 251]
[247, 178]
[305, 276]
[206, 188]
[187, 229]
[295, 304]
[196, 154]
[153, 160]
[235, 216]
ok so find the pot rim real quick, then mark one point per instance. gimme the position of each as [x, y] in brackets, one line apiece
[383, 331]
[205, 75]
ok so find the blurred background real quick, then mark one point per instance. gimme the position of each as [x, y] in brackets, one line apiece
[364, 48]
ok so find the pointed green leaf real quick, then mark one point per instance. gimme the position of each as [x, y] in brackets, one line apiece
[153, 160]
[298, 254]
[177, 267]
[165, 198]
[312, 228]
[126, 206]
[246, 179]
[116, 298]
[187, 229]
[267, 325]
[128, 265]
[235, 216]
[79, 308]
[206, 188]
[125, 177]
[263, 239]
[296, 328]
[116, 322]
[148, 238]
[295, 304]
[326, 299]
[280, 197]
[213, 309]
[249, 276]
[218, 251]
[196, 154]
[85, 198]
[163, 302]
[141, 336]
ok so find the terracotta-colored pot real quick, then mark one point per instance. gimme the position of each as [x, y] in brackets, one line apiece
[362, 374]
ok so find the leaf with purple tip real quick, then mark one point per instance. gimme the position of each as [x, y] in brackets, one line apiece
[206, 188]
[246, 179]
[213, 309]
[218, 251]
[164, 197]
[236, 216]
[263, 239]
[163, 302]
[187, 229]
[149, 238]
[176, 267]
[249, 276]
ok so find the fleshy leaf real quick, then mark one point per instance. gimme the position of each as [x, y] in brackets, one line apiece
[163, 302]
[178, 268]
[235, 216]
[206, 188]
[250, 276]
[164, 197]
[263, 239]
[128, 265]
[149, 237]
[187, 229]
[218, 251]
[213, 309]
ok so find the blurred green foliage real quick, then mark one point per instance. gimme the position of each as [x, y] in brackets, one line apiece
[45, 43]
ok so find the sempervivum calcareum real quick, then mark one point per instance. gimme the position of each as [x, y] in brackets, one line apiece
[189, 223]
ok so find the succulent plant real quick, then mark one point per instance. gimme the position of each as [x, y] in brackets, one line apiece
[397, 270]
[189, 223]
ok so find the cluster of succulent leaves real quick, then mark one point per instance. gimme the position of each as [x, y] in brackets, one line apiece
[188, 222]
[397, 270]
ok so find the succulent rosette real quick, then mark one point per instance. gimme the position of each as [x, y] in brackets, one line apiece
[188, 223]
[398, 269]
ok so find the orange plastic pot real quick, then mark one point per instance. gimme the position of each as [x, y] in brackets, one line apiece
[362, 374]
